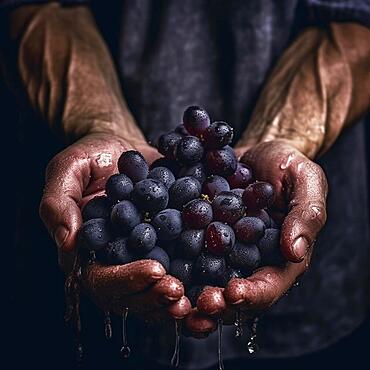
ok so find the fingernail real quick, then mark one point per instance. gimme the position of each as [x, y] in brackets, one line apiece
[300, 247]
[61, 235]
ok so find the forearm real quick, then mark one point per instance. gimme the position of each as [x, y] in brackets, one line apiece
[67, 73]
[319, 87]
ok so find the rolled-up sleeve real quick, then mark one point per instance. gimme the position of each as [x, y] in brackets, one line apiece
[324, 11]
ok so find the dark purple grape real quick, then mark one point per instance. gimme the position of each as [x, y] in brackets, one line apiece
[162, 174]
[197, 214]
[119, 187]
[182, 270]
[221, 162]
[193, 294]
[209, 269]
[229, 274]
[95, 234]
[219, 239]
[261, 214]
[180, 129]
[238, 192]
[167, 144]
[160, 255]
[196, 120]
[190, 243]
[164, 162]
[269, 246]
[244, 257]
[150, 195]
[183, 191]
[133, 165]
[116, 253]
[258, 195]
[197, 171]
[217, 135]
[125, 216]
[168, 224]
[241, 178]
[214, 185]
[249, 229]
[189, 150]
[142, 239]
[227, 207]
[97, 207]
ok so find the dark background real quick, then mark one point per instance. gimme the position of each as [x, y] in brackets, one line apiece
[35, 333]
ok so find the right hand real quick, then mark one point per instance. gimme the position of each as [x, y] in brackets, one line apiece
[76, 175]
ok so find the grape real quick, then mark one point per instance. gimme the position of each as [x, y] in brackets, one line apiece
[119, 187]
[227, 207]
[97, 207]
[94, 234]
[214, 185]
[220, 238]
[164, 162]
[193, 294]
[150, 195]
[168, 224]
[162, 174]
[160, 255]
[167, 144]
[196, 120]
[261, 214]
[180, 129]
[238, 192]
[229, 274]
[197, 171]
[269, 246]
[190, 243]
[133, 165]
[189, 150]
[125, 216]
[197, 214]
[217, 135]
[258, 195]
[245, 257]
[183, 191]
[249, 229]
[116, 253]
[241, 178]
[142, 238]
[209, 269]
[182, 269]
[221, 162]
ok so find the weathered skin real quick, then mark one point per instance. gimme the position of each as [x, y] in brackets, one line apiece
[319, 86]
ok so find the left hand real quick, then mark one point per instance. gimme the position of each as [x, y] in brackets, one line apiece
[301, 189]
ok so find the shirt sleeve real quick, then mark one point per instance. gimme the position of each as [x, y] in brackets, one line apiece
[4, 4]
[324, 11]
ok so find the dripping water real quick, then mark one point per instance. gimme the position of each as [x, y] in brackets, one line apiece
[107, 325]
[219, 346]
[176, 353]
[125, 349]
[252, 345]
[238, 325]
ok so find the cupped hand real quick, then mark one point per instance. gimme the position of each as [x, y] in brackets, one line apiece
[301, 190]
[74, 176]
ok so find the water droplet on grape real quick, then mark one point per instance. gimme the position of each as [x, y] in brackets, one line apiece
[176, 353]
[285, 165]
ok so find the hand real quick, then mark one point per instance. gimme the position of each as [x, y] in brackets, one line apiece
[301, 190]
[72, 178]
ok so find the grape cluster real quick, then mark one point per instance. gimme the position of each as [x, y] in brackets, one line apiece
[197, 210]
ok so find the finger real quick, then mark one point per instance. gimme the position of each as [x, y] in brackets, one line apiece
[180, 309]
[307, 209]
[121, 279]
[265, 286]
[211, 301]
[199, 323]
[168, 289]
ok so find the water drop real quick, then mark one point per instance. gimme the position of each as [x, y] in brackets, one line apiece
[176, 353]
[107, 325]
[219, 346]
[238, 325]
[92, 257]
[285, 165]
[125, 349]
[252, 345]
